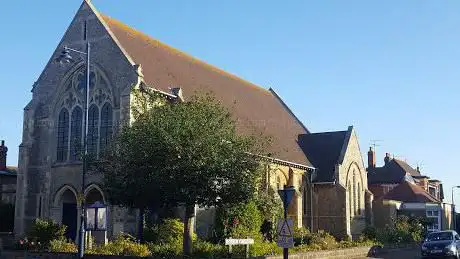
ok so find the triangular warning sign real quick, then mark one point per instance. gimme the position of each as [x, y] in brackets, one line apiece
[285, 228]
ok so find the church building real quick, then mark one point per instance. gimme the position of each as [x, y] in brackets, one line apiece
[325, 168]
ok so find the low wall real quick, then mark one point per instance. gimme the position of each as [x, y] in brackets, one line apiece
[339, 253]
[355, 252]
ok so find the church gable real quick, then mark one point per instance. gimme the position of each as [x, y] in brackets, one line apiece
[105, 56]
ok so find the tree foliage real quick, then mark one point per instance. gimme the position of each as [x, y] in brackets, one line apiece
[183, 153]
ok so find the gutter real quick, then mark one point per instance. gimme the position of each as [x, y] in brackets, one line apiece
[280, 161]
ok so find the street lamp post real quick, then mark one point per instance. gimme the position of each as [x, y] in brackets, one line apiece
[454, 218]
[65, 57]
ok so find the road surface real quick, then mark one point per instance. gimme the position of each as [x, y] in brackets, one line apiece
[406, 254]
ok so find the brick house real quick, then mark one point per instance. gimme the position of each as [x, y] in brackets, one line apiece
[411, 199]
[123, 59]
[398, 188]
[383, 179]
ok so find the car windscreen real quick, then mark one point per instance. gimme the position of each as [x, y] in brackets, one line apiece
[439, 236]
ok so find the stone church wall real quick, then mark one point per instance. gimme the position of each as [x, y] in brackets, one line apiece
[39, 176]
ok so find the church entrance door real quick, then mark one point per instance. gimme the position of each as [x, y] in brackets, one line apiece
[69, 219]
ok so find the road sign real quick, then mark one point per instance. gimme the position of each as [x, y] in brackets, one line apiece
[286, 195]
[284, 232]
[232, 241]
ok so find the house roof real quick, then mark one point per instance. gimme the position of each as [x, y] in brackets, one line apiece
[323, 150]
[394, 171]
[255, 109]
[408, 192]
[10, 171]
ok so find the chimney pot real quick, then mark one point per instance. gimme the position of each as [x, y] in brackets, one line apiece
[387, 158]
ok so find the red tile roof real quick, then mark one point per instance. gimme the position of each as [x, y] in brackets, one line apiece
[408, 192]
[256, 110]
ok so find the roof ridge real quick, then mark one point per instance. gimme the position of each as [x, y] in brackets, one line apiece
[274, 93]
[131, 29]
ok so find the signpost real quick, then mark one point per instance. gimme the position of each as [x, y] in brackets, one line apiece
[285, 239]
[231, 242]
[284, 232]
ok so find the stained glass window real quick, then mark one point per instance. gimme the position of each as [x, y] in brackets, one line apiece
[62, 135]
[75, 134]
[106, 126]
[93, 134]
[359, 200]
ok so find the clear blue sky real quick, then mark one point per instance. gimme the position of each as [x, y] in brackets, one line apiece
[390, 68]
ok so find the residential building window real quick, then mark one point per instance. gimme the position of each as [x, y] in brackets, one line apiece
[62, 135]
[434, 218]
[106, 126]
[93, 134]
[75, 134]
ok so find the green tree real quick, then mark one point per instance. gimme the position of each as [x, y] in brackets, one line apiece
[181, 154]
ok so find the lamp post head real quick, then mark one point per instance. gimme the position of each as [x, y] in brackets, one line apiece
[64, 57]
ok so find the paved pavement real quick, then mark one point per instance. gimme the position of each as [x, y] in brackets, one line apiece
[407, 254]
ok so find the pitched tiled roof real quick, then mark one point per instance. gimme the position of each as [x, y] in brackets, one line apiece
[408, 192]
[256, 110]
[395, 171]
[407, 168]
[10, 171]
[323, 150]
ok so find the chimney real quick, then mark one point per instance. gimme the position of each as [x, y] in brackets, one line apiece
[3, 151]
[387, 158]
[371, 158]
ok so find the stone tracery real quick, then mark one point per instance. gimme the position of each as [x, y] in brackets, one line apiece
[72, 99]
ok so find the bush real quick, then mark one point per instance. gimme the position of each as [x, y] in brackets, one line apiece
[122, 245]
[202, 249]
[241, 221]
[45, 230]
[165, 250]
[403, 229]
[301, 236]
[168, 232]
[62, 246]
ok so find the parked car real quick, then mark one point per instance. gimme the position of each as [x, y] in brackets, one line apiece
[444, 244]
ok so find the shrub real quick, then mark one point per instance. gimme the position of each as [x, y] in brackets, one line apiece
[169, 231]
[165, 250]
[121, 245]
[271, 209]
[62, 246]
[370, 233]
[241, 221]
[202, 249]
[301, 235]
[403, 229]
[45, 230]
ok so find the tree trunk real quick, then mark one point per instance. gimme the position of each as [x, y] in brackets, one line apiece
[140, 226]
[188, 229]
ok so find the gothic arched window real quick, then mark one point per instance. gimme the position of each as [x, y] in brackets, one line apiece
[75, 133]
[350, 200]
[359, 200]
[106, 126]
[62, 135]
[93, 133]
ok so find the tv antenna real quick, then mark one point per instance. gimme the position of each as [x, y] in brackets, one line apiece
[374, 143]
